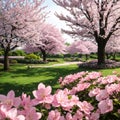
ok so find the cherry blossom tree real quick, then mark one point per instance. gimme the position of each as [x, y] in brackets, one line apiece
[17, 23]
[98, 19]
[82, 47]
[112, 47]
[48, 40]
[78, 47]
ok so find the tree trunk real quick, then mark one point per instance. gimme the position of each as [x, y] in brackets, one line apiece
[86, 57]
[101, 52]
[44, 55]
[114, 56]
[6, 61]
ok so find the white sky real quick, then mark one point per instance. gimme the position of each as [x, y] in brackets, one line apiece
[51, 6]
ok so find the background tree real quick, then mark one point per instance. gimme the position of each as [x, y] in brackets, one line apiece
[112, 47]
[17, 22]
[48, 40]
[82, 47]
[99, 19]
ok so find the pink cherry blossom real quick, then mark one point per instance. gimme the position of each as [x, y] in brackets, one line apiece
[50, 41]
[18, 21]
[93, 20]
[82, 47]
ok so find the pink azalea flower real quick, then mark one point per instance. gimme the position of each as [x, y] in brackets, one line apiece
[118, 111]
[103, 94]
[69, 116]
[60, 80]
[10, 100]
[78, 115]
[31, 114]
[71, 78]
[62, 118]
[112, 78]
[107, 80]
[93, 75]
[3, 111]
[10, 114]
[60, 98]
[95, 116]
[73, 100]
[43, 94]
[85, 107]
[73, 90]
[82, 86]
[54, 115]
[112, 88]
[94, 92]
[79, 87]
[26, 102]
[105, 106]
[102, 80]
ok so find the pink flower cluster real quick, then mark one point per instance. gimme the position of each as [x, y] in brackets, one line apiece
[71, 78]
[17, 108]
[104, 90]
[91, 97]
[59, 105]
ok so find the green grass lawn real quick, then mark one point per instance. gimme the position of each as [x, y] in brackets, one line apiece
[21, 79]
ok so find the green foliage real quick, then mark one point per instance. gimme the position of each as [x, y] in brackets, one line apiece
[30, 61]
[1, 52]
[67, 55]
[13, 61]
[17, 53]
[32, 57]
[55, 56]
[52, 60]
[72, 55]
[71, 59]
[67, 44]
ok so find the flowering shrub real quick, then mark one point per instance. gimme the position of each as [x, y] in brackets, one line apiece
[93, 64]
[83, 96]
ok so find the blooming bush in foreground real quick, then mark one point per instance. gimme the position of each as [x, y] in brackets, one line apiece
[83, 96]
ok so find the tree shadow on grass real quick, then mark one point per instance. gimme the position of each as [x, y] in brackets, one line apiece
[19, 88]
[47, 71]
[55, 73]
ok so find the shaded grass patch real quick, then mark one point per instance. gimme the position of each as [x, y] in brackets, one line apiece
[21, 79]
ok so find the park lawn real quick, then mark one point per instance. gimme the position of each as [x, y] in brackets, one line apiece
[21, 79]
